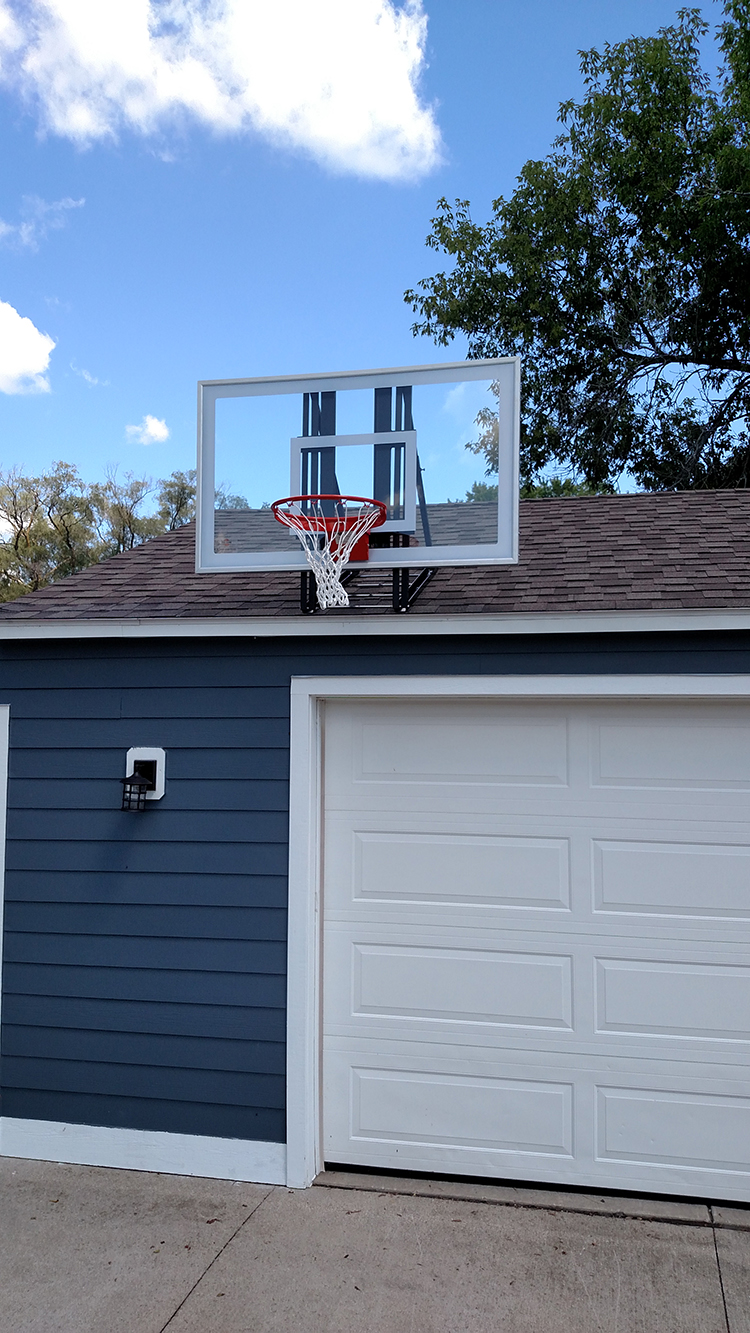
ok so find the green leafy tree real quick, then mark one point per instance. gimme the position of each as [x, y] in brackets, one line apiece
[551, 488]
[70, 519]
[57, 524]
[563, 488]
[49, 529]
[482, 492]
[118, 506]
[225, 499]
[619, 270]
[176, 499]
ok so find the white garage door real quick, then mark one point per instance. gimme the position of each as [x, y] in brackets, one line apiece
[536, 928]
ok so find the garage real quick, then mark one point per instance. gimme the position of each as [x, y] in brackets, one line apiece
[463, 890]
[536, 915]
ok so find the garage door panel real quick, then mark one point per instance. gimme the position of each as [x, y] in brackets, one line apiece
[465, 868]
[701, 1131]
[527, 746]
[708, 879]
[518, 753]
[404, 988]
[688, 1000]
[637, 747]
[506, 1114]
[462, 985]
[685, 1134]
[682, 750]
[372, 863]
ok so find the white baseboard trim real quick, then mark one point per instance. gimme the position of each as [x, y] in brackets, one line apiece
[144, 1150]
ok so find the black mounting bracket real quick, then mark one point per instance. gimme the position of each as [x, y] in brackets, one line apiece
[308, 595]
[406, 590]
[405, 593]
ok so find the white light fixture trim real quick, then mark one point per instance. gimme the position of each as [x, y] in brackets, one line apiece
[151, 752]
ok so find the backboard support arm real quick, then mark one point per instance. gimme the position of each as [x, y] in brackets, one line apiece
[423, 506]
[406, 590]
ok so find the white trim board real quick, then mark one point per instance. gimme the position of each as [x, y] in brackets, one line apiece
[144, 1150]
[381, 626]
[308, 695]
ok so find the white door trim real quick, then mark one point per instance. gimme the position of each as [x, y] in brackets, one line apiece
[308, 696]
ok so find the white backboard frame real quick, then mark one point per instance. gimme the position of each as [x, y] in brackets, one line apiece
[505, 370]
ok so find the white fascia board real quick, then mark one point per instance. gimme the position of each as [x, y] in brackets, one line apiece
[144, 1150]
[377, 626]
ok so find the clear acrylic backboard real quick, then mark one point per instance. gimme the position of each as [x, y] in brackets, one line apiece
[438, 445]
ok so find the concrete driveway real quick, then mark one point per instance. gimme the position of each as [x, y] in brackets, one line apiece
[87, 1250]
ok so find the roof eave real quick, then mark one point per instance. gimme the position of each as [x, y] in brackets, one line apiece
[411, 625]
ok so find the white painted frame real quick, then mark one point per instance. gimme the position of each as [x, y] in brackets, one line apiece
[143, 1150]
[308, 696]
[149, 752]
[506, 369]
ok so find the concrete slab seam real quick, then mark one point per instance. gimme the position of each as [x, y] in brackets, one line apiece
[218, 1255]
[718, 1269]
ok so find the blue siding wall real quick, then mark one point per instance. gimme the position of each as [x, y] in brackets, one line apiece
[144, 955]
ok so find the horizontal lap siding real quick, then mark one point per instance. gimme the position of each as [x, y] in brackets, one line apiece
[249, 990]
[221, 1021]
[176, 857]
[144, 957]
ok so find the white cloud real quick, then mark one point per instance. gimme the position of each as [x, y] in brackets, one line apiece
[91, 380]
[24, 353]
[336, 78]
[150, 431]
[37, 219]
[455, 400]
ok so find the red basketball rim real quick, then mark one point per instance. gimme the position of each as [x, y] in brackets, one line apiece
[314, 519]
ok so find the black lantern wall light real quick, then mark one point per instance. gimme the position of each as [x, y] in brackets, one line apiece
[145, 777]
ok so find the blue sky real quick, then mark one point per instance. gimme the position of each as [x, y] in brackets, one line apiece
[242, 197]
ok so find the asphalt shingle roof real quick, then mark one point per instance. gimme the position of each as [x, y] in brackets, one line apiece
[680, 551]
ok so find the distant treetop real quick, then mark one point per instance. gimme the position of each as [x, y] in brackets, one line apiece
[56, 524]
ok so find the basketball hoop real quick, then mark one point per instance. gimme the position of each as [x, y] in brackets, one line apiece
[332, 530]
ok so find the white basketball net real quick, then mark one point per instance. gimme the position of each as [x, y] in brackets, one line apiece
[328, 530]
